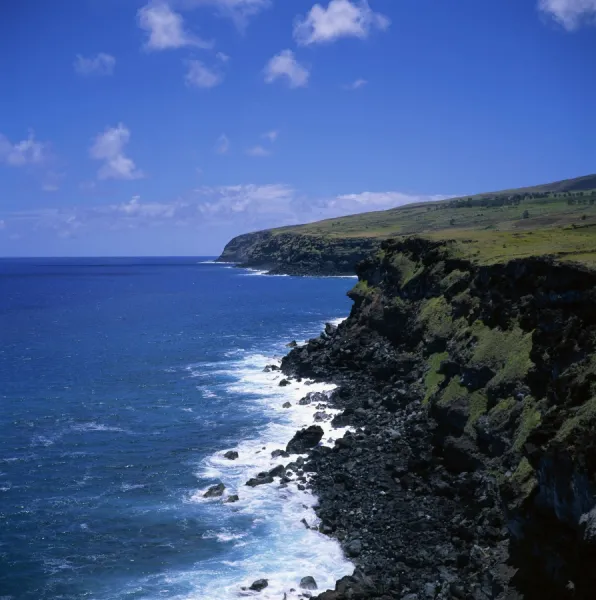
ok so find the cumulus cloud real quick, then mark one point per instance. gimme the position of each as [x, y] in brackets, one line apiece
[2, 224]
[570, 13]
[201, 76]
[285, 65]
[109, 148]
[355, 85]
[100, 64]
[341, 18]
[230, 208]
[223, 144]
[258, 151]
[26, 152]
[165, 28]
[249, 201]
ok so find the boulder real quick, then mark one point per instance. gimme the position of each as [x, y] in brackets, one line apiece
[260, 479]
[305, 439]
[278, 453]
[308, 583]
[232, 498]
[259, 585]
[277, 471]
[215, 491]
[231, 455]
[286, 405]
[284, 382]
[354, 548]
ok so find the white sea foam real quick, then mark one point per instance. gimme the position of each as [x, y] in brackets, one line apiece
[289, 551]
[97, 427]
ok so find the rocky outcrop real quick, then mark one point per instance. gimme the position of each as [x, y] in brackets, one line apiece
[471, 390]
[295, 254]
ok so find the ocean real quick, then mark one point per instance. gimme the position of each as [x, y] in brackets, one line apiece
[122, 384]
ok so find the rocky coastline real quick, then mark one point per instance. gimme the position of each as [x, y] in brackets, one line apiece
[469, 471]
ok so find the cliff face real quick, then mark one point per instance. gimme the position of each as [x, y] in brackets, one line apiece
[474, 387]
[293, 254]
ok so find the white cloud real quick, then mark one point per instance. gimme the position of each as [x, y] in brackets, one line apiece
[50, 187]
[25, 152]
[238, 10]
[570, 13]
[201, 76]
[355, 85]
[109, 148]
[166, 28]
[271, 135]
[2, 224]
[149, 210]
[100, 64]
[223, 144]
[341, 18]
[246, 200]
[231, 208]
[285, 64]
[367, 201]
[222, 57]
[258, 151]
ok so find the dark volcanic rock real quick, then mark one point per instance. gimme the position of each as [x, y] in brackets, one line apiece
[284, 382]
[308, 583]
[469, 472]
[279, 453]
[259, 585]
[305, 439]
[260, 479]
[214, 491]
[232, 498]
[231, 455]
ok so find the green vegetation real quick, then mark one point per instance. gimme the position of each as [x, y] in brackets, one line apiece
[582, 416]
[530, 419]
[505, 352]
[523, 478]
[433, 378]
[556, 219]
[435, 315]
[362, 288]
[406, 267]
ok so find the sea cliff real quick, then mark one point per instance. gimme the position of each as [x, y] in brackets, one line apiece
[471, 390]
[295, 254]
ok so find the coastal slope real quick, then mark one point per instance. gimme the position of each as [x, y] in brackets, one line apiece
[563, 212]
[471, 390]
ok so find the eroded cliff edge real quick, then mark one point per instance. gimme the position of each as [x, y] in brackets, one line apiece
[296, 254]
[472, 393]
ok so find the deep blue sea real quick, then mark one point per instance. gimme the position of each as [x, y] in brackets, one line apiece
[122, 382]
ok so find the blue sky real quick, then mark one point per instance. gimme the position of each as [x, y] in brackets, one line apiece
[166, 128]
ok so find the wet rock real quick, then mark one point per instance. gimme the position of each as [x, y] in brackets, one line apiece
[321, 416]
[286, 405]
[277, 471]
[305, 439]
[260, 479]
[308, 583]
[292, 344]
[279, 453]
[232, 498]
[284, 382]
[231, 455]
[215, 491]
[259, 585]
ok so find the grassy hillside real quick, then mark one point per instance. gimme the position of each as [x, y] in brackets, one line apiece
[557, 218]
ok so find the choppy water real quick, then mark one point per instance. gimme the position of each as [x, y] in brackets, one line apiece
[122, 382]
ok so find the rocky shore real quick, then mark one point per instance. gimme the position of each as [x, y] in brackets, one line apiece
[470, 469]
